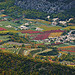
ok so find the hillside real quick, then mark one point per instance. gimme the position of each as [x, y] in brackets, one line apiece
[18, 9]
[19, 65]
[37, 37]
[49, 6]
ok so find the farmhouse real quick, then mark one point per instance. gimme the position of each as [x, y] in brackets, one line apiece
[62, 22]
[54, 23]
[26, 24]
[54, 19]
[24, 27]
[9, 26]
[5, 19]
[70, 19]
[38, 29]
[48, 17]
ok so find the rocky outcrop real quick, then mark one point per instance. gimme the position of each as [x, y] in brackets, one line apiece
[48, 6]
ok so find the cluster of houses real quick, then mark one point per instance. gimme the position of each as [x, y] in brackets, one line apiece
[61, 39]
[27, 26]
[56, 21]
[69, 37]
[3, 17]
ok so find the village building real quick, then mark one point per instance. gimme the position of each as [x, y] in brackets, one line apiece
[54, 23]
[63, 22]
[48, 17]
[9, 26]
[24, 27]
[26, 24]
[70, 19]
[55, 19]
[38, 29]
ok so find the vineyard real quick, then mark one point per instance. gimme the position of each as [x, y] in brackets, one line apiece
[39, 20]
[31, 32]
[1, 29]
[53, 31]
[42, 36]
[33, 42]
[6, 23]
[57, 34]
[67, 48]
[11, 31]
[48, 28]
[4, 38]
[69, 27]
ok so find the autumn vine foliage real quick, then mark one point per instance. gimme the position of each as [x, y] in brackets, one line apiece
[12, 64]
[67, 48]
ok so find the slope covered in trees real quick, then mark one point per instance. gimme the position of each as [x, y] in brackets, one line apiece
[11, 64]
[66, 1]
[16, 12]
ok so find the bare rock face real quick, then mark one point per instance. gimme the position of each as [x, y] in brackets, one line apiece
[49, 6]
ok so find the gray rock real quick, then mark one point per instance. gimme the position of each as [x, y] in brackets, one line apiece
[45, 5]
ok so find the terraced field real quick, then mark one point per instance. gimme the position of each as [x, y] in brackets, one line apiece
[47, 50]
[4, 38]
[28, 51]
[6, 23]
[48, 28]
[38, 20]
[12, 50]
[70, 49]
[4, 32]
[55, 34]
[69, 27]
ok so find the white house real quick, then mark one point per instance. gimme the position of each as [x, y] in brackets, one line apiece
[5, 19]
[23, 27]
[54, 19]
[54, 23]
[9, 26]
[48, 17]
[62, 22]
[38, 29]
[70, 19]
[26, 24]
[30, 22]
